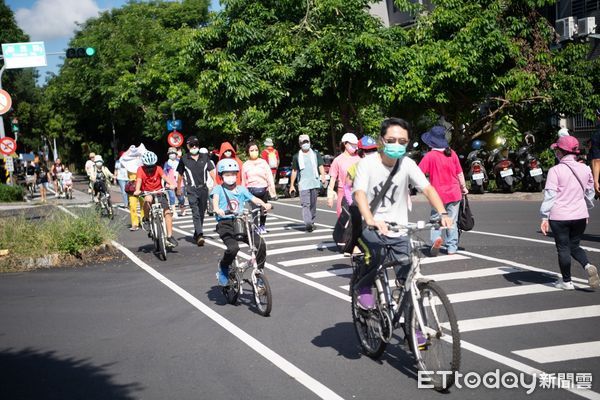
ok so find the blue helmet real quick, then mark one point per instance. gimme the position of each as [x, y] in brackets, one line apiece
[227, 165]
[476, 145]
[367, 143]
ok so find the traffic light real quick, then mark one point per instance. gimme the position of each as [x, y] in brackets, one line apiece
[14, 125]
[80, 52]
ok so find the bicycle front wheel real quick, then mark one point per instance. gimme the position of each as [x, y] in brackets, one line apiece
[435, 344]
[161, 239]
[262, 293]
[232, 290]
[368, 325]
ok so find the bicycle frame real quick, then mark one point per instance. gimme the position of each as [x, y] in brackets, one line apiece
[241, 268]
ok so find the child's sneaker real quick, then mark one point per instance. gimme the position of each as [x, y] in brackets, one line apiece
[223, 276]
[564, 285]
[593, 279]
[365, 298]
[421, 339]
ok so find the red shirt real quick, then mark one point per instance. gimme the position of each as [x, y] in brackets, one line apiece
[150, 183]
[271, 156]
[443, 174]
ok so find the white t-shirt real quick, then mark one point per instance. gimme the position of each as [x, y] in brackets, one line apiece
[371, 175]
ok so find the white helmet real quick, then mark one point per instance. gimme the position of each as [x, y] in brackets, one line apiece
[563, 132]
[98, 158]
[149, 158]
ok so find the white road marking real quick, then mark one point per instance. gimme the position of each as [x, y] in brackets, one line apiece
[294, 372]
[565, 352]
[444, 258]
[476, 273]
[318, 246]
[526, 318]
[329, 273]
[529, 239]
[312, 260]
[295, 240]
[213, 224]
[297, 206]
[517, 290]
[302, 222]
[308, 235]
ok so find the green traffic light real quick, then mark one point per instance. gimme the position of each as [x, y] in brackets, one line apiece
[90, 51]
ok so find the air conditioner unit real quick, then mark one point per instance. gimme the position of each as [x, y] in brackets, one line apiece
[566, 28]
[586, 26]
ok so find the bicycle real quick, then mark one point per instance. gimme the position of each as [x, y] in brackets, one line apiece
[30, 183]
[158, 226]
[104, 205]
[258, 280]
[429, 326]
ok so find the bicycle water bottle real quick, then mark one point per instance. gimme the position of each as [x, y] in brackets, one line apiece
[380, 292]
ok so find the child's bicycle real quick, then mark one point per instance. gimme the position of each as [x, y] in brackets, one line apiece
[30, 184]
[429, 323]
[239, 268]
[104, 205]
[158, 226]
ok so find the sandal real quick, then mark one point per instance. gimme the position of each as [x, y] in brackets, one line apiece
[134, 228]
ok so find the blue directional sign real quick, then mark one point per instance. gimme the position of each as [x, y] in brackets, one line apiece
[173, 125]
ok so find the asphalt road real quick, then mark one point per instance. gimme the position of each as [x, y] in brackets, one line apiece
[161, 330]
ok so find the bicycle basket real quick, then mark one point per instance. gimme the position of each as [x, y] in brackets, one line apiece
[239, 229]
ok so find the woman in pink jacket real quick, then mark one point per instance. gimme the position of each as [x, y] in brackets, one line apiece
[568, 194]
[258, 179]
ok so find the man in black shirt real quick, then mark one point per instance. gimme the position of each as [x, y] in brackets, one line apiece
[194, 168]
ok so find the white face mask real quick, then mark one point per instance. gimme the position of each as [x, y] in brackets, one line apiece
[172, 156]
[194, 150]
[305, 146]
[99, 164]
[229, 180]
[351, 148]
[227, 153]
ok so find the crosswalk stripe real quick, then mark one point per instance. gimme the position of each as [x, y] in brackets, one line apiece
[477, 273]
[330, 273]
[317, 246]
[499, 321]
[501, 292]
[563, 352]
[300, 239]
[444, 258]
[312, 260]
[288, 227]
[268, 235]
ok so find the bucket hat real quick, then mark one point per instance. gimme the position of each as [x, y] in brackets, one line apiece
[435, 138]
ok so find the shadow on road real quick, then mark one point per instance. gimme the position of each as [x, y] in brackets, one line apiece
[29, 374]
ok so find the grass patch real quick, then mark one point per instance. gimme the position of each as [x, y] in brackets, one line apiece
[58, 233]
[10, 193]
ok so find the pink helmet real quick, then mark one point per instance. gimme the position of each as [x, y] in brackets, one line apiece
[569, 144]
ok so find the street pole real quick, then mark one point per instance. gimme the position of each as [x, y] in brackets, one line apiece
[2, 134]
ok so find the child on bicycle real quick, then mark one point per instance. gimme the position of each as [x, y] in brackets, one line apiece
[100, 178]
[67, 180]
[149, 179]
[233, 198]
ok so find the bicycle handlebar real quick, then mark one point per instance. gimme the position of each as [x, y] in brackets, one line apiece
[245, 212]
[161, 191]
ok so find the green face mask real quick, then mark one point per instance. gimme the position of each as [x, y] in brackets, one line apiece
[394, 150]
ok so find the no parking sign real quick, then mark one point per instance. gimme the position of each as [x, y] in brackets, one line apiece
[175, 139]
[8, 146]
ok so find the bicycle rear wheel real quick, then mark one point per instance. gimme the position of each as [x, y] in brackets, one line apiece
[439, 347]
[262, 294]
[368, 326]
[232, 290]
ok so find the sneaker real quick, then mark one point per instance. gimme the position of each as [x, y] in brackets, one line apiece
[435, 247]
[365, 298]
[564, 285]
[223, 276]
[172, 241]
[263, 229]
[593, 279]
[146, 225]
[134, 228]
[310, 227]
[421, 339]
[182, 212]
[200, 240]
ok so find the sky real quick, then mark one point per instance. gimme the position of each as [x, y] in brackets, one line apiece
[54, 21]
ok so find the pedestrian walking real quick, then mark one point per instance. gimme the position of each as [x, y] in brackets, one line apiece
[339, 169]
[170, 169]
[227, 151]
[56, 172]
[121, 179]
[442, 166]
[595, 154]
[210, 183]
[307, 166]
[89, 170]
[195, 169]
[258, 179]
[132, 160]
[43, 174]
[271, 156]
[568, 194]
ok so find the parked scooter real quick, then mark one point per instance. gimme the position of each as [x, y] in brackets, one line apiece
[476, 173]
[416, 153]
[528, 168]
[502, 167]
[283, 180]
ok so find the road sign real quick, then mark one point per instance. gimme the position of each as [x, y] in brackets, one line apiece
[24, 55]
[173, 124]
[8, 146]
[9, 165]
[175, 139]
[5, 102]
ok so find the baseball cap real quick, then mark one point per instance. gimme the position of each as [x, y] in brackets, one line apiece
[172, 150]
[569, 144]
[268, 142]
[350, 138]
[303, 138]
[192, 140]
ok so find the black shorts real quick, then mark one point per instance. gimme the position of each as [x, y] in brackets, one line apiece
[163, 200]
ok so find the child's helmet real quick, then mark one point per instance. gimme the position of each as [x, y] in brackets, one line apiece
[367, 143]
[227, 165]
[149, 158]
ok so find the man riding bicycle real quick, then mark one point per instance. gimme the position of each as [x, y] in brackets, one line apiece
[233, 198]
[371, 174]
[100, 177]
[149, 179]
